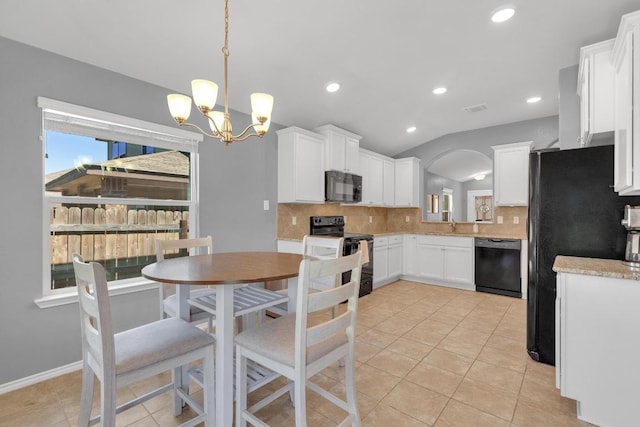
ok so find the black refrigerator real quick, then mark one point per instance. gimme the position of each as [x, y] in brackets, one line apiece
[573, 211]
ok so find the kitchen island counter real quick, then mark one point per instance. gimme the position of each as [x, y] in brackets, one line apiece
[595, 267]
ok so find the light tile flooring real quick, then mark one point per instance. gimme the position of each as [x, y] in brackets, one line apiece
[426, 356]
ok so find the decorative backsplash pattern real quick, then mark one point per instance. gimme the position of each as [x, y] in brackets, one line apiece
[394, 220]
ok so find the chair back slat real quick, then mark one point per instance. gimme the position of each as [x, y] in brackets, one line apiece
[162, 246]
[330, 298]
[328, 329]
[322, 247]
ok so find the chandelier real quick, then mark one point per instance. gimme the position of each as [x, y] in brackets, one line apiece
[204, 96]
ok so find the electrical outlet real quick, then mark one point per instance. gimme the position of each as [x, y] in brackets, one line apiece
[516, 220]
[500, 219]
[266, 205]
[345, 219]
[406, 218]
[370, 219]
[294, 220]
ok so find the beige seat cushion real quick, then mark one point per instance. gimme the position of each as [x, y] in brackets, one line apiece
[155, 342]
[276, 340]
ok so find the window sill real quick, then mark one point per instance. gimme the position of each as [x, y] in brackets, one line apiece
[71, 297]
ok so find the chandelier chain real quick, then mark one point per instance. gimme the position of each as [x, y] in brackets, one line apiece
[225, 52]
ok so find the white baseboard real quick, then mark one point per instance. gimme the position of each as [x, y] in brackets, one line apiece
[42, 376]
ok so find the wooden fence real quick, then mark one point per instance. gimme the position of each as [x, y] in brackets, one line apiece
[111, 232]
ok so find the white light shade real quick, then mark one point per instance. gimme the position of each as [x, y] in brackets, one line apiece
[257, 126]
[411, 129]
[218, 117]
[262, 104]
[204, 93]
[440, 90]
[179, 106]
[533, 100]
[479, 177]
[503, 15]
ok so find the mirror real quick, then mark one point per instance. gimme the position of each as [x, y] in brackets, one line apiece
[462, 182]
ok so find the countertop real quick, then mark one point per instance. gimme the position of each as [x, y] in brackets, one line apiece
[595, 267]
[485, 235]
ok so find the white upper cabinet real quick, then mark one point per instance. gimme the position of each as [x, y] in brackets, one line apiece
[511, 174]
[300, 166]
[388, 182]
[406, 182]
[595, 88]
[626, 67]
[372, 171]
[342, 149]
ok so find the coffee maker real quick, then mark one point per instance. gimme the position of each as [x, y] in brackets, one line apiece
[631, 222]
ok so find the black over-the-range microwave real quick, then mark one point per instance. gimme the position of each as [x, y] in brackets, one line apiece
[342, 187]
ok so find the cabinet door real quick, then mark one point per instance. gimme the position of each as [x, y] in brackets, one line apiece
[336, 146]
[623, 148]
[309, 172]
[352, 155]
[406, 186]
[431, 261]
[388, 179]
[395, 260]
[375, 180]
[511, 173]
[380, 264]
[410, 255]
[458, 265]
[363, 167]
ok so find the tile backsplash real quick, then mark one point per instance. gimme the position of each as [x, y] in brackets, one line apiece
[377, 220]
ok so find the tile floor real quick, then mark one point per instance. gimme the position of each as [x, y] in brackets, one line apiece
[426, 356]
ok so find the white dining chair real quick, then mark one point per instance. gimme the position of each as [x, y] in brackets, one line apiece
[320, 247]
[296, 350]
[169, 303]
[248, 300]
[132, 355]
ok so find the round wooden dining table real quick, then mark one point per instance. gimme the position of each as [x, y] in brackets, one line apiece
[224, 270]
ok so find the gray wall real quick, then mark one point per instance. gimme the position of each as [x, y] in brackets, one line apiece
[234, 182]
[541, 131]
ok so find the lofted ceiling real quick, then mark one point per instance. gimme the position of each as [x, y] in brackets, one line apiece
[387, 55]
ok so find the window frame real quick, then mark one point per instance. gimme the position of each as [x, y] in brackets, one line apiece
[69, 118]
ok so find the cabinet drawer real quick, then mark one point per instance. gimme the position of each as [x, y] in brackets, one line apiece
[455, 241]
[395, 240]
[380, 241]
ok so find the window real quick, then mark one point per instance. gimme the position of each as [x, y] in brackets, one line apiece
[112, 185]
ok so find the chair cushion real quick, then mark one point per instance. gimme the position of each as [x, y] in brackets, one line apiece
[170, 303]
[276, 340]
[156, 342]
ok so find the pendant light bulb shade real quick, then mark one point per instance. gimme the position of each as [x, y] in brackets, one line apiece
[204, 94]
[218, 118]
[179, 107]
[260, 128]
[262, 105]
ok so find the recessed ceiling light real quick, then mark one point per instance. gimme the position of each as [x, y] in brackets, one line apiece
[533, 100]
[503, 14]
[333, 87]
[411, 129]
[440, 90]
[480, 177]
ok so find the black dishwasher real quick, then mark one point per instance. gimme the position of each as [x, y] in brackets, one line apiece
[497, 266]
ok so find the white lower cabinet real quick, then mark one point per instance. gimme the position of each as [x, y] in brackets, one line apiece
[597, 346]
[446, 260]
[387, 259]
[410, 255]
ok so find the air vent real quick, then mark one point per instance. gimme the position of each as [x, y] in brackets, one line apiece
[475, 108]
